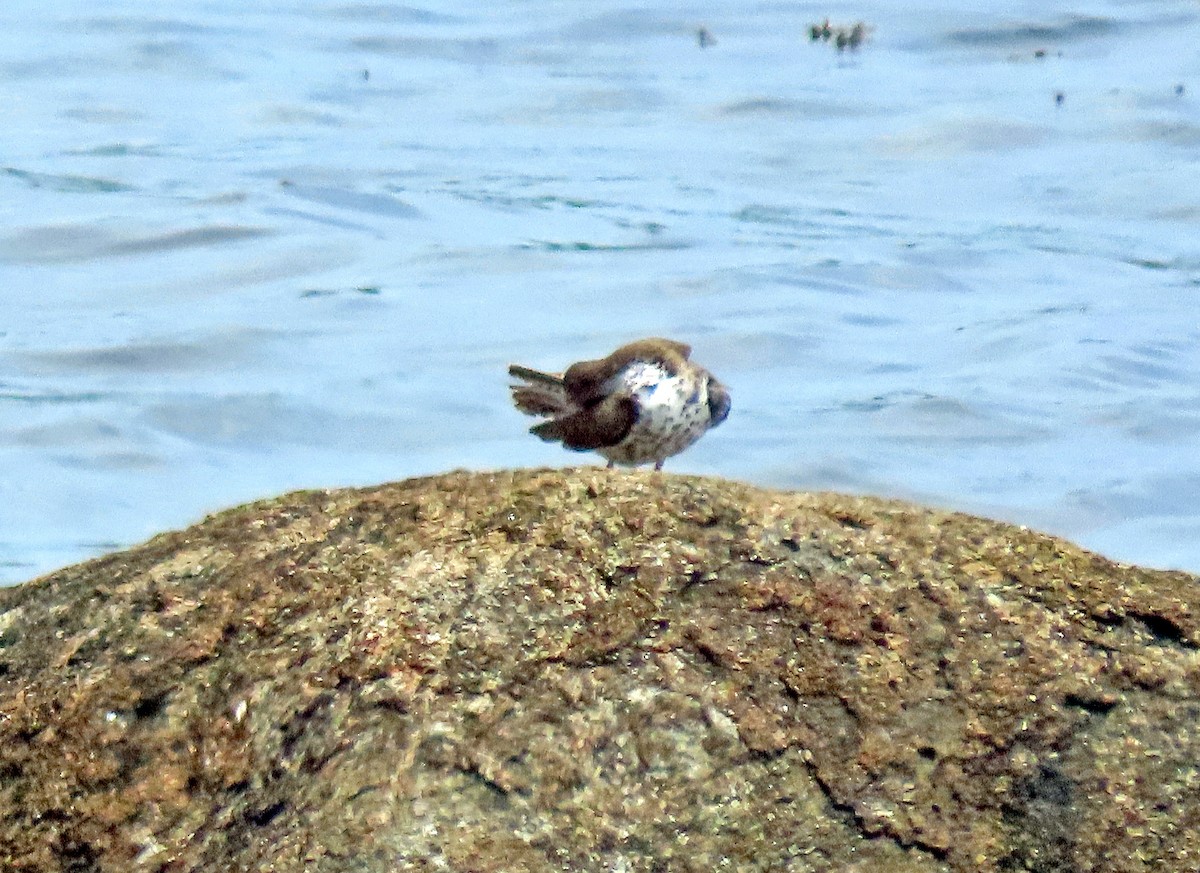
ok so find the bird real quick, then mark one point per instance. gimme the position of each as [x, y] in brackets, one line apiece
[644, 402]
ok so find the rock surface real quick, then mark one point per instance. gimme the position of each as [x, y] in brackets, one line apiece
[599, 671]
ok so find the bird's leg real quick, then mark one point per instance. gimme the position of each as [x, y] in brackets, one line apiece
[658, 465]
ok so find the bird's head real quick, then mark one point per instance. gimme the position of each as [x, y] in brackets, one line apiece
[719, 402]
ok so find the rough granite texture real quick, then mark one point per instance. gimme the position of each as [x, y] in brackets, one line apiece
[599, 671]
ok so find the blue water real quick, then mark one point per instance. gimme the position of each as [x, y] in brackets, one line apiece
[247, 248]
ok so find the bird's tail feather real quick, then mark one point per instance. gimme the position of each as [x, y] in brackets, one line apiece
[539, 393]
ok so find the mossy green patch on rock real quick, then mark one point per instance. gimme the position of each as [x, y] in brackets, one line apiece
[595, 670]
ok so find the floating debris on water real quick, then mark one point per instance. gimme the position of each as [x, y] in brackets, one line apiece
[842, 36]
[371, 290]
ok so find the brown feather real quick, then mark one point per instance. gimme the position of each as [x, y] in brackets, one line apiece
[585, 381]
[519, 371]
[602, 424]
[541, 393]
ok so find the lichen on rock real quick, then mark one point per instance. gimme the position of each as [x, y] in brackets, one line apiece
[595, 670]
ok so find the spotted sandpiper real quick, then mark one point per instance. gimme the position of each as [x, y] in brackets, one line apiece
[644, 402]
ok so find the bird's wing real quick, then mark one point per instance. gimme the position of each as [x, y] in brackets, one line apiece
[602, 424]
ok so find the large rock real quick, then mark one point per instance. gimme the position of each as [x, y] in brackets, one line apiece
[598, 671]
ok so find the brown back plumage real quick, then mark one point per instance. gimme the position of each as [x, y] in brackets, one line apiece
[585, 381]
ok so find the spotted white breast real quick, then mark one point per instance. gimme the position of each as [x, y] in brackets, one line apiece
[672, 412]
